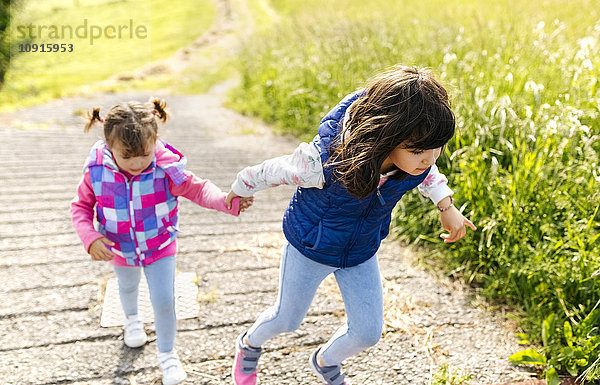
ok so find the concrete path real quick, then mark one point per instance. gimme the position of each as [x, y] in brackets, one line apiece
[51, 291]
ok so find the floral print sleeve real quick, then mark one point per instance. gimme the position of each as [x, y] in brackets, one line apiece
[302, 168]
[435, 186]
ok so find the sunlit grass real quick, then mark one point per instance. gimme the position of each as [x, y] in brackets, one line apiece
[37, 77]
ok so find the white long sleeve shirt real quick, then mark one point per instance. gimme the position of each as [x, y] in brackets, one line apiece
[303, 168]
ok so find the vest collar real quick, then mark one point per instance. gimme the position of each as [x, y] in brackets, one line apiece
[166, 157]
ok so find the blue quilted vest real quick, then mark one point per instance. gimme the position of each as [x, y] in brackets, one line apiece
[330, 225]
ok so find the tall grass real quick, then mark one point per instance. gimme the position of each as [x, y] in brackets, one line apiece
[524, 163]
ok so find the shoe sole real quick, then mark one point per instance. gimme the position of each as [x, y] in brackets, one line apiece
[311, 363]
[175, 383]
[234, 366]
[142, 343]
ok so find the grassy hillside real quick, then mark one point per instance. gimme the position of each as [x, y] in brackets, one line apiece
[102, 46]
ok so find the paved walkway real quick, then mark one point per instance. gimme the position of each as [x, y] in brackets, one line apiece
[51, 293]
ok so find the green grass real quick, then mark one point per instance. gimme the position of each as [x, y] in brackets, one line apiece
[37, 77]
[524, 162]
[210, 67]
[212, 64]
[447, 375]
[207, 67]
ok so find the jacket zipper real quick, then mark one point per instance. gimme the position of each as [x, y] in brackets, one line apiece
[357, 231]
[132, 218]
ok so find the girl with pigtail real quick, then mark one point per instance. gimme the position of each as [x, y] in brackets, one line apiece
[131, 182]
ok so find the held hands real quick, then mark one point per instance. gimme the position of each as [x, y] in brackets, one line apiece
[245, 202]
[453, 222]
[98, 250]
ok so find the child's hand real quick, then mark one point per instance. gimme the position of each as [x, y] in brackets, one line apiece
[454, 222]
[98, 250]
[229, 198]
[245, 202]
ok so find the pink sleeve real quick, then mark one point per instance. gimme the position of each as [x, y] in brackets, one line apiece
[82, 212]
[204, 193]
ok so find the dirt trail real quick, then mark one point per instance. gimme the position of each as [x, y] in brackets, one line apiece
[50, 314]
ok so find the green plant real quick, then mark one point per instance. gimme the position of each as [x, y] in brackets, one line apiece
[6, 6]
[446, 375]
[566, 348]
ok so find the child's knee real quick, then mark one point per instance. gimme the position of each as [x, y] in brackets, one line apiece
[290, 325]
[128, 278]
[368, 337]
[129, 286]
[282, 321]
[283, 324]
[163, 302]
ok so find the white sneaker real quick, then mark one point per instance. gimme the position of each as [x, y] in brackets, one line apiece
[172, 370]
[135, 335]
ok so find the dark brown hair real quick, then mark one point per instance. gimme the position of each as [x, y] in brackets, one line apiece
[403, 106]
[132, 125]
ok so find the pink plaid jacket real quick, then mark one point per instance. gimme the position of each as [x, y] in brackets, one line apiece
[180, 183]
[139, 215]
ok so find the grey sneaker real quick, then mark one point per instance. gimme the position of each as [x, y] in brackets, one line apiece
[246, 358]
[330, 375]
